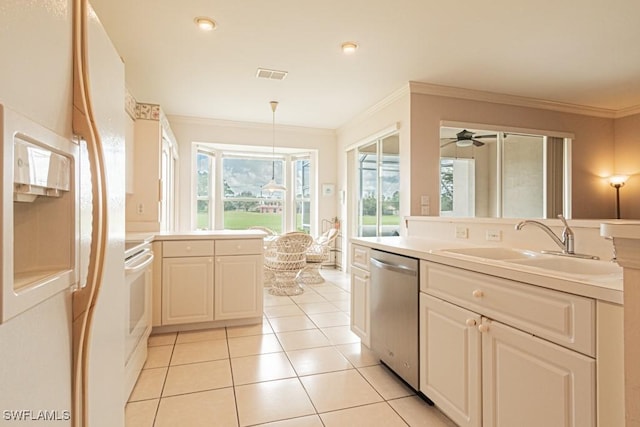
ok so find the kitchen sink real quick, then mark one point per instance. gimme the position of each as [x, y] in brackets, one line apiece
[571, 265]
[494, 253]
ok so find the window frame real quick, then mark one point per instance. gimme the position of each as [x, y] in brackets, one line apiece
[217, 199]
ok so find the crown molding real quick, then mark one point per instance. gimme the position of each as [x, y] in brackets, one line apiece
[204, 121]
[383, 103]
[626, 112]
[499, 98]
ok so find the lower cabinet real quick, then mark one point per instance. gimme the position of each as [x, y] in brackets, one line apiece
[481, 372]
[187, 290]
[450, 359]
[196, 289]
[360, 312]
[236, 293]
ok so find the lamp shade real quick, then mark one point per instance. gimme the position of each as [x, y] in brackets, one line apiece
[618, 180]
[273, 186]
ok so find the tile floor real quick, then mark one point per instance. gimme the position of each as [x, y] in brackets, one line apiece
[302, 367]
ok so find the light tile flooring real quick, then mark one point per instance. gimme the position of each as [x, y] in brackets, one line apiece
[302, 367]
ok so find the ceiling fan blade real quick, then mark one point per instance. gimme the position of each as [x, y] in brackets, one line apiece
[447, 143]
[485, 136]
[477, 143]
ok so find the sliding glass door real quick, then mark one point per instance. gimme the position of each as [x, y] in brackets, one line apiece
[378, 188]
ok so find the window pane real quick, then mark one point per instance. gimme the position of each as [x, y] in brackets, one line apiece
[202, 215]
[368, 191]
[240, 215]
[245, 203]
[203, 171]
[390, 188]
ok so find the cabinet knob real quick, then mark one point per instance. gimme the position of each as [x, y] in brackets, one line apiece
[477, 293]
[366, 276]
[483, 328]
[188, 248]
[471, 322]
[239, 247]
[218, 260]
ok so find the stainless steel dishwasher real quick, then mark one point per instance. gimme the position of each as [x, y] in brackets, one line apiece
[394, 313]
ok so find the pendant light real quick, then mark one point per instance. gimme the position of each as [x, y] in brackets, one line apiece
[271, 186]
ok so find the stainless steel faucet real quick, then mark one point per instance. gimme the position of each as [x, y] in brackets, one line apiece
[566, 244]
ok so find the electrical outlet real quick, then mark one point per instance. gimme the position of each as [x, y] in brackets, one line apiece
[462, 232]
[424, 210]
[424, 200]
[140, 208]
[494, 235]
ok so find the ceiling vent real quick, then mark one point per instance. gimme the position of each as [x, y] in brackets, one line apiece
[263, 73]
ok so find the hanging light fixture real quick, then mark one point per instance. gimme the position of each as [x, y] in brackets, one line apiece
[271, 186]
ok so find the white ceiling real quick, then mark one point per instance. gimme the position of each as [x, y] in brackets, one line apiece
[582, 52]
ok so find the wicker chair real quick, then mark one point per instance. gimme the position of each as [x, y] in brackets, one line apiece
[317, 253]
[269, 239]
[284, 260]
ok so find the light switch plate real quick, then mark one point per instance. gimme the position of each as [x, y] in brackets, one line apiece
[424, 200]
[462, 232]
[494, 235]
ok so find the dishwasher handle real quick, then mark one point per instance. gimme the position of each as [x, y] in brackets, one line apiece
[394, 267]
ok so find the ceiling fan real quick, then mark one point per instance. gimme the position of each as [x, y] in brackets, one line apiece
[466, 138]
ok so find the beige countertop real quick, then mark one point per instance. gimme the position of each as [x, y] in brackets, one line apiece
[603, 287]
[195, 235]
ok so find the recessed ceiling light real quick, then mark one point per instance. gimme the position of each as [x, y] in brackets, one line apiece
[205, 24]
[349, 47]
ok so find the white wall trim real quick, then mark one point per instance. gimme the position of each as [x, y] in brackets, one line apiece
[520, 101]
[374, 136]
[498, 128]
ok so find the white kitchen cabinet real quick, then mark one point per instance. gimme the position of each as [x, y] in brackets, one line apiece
[209, 281]
[530, 382]
[238, 279]
[450, 359]
[187, 290]
[471, 359]
[360, 311]
[360, 293]
[187, 281]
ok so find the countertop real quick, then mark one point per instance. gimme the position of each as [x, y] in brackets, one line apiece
[602, 287]
[195, 235]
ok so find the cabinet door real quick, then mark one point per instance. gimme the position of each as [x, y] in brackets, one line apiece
[238, 287]
[187, 290]
[360, 317]
[529, 382]
[450, 364]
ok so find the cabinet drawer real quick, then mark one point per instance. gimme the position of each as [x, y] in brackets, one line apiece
[566, 319]
[181, 248]
[239, 247]
[360, 256]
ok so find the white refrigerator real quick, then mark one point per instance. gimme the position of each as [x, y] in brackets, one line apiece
[43, 373]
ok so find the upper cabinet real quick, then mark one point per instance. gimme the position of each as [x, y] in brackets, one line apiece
[151, 170]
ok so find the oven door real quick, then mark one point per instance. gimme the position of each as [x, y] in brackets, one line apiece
[138, 281]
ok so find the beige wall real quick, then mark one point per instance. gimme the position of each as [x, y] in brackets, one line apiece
[190, 130]
[627, 162]
[592, 149]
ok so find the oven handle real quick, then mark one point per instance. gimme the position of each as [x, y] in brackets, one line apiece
[138, 266]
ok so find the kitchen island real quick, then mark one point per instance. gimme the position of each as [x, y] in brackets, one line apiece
[205, 279]
[502, 339]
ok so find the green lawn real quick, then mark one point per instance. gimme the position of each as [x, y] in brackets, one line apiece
[238, 220]
[386, 220]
